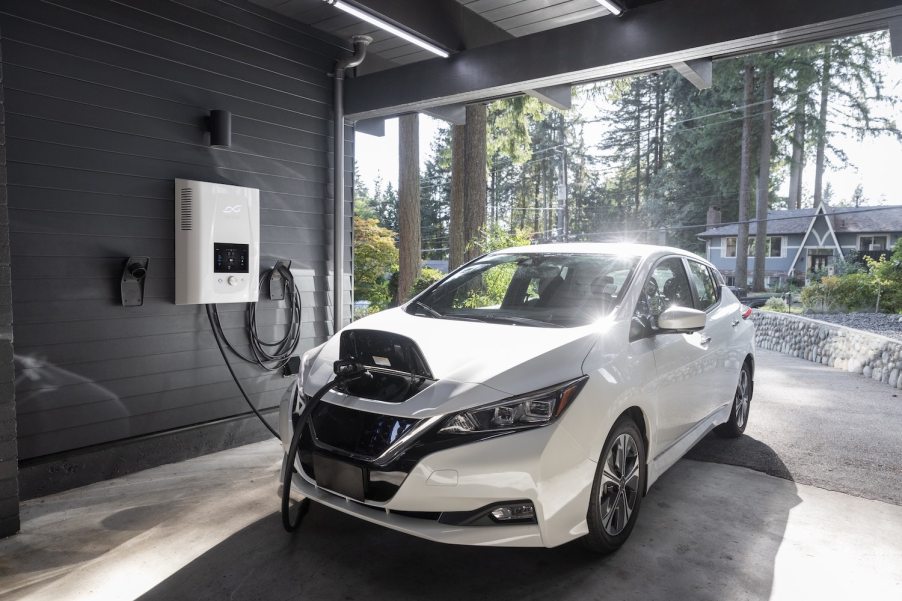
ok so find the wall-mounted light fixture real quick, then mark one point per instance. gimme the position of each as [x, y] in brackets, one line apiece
[614, 8]
[386, 26]
[220, 125]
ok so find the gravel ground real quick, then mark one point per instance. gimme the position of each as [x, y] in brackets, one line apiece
[878, 323]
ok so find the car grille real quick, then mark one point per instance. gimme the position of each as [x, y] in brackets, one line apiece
[357, 437]
[358, 433]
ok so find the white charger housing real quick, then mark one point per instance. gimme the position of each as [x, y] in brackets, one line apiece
[217, 243]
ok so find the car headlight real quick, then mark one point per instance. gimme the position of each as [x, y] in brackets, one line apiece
[530, 410]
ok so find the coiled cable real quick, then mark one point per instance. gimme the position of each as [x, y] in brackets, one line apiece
[271, 356]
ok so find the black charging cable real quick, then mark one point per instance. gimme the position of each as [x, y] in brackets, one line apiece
[270, 356]
[345, 371]
[247, 399]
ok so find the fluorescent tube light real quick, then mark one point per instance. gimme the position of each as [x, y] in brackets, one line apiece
[386, 26]
[612, 6]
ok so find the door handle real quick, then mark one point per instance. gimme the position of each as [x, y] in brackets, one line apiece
[705, 340]
[736, 322]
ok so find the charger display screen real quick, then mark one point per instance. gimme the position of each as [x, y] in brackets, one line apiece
[230, 258]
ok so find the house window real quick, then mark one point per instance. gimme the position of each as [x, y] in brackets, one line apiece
[773, 247]
[730, 247]
[865, 242]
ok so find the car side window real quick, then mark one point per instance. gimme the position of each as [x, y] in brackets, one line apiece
[703, 284]
[666, 286]
[719, 281]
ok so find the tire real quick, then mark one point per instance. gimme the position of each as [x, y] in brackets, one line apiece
[616, 492]
[742, 400]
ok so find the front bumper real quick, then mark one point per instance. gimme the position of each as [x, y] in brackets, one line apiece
[545, 466]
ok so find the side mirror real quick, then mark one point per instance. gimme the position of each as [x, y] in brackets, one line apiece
[681, 319]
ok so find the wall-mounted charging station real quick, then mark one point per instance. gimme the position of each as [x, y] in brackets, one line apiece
[217, 260]
[217, 243]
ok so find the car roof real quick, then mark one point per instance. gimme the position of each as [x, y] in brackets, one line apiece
[606, 248]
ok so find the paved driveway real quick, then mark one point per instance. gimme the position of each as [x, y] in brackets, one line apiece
[821, 426]
[209, 528]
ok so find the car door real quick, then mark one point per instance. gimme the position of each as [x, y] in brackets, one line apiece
[717, 336]
[679, 358]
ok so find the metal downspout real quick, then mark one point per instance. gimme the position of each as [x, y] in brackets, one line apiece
[360, 42]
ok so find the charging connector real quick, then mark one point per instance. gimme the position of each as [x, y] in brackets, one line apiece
[345, 371]
[277, 280]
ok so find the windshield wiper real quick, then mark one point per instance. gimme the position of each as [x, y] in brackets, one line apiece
[511, 319]
[432, 312]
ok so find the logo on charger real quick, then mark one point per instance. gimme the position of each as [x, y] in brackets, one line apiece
[232, 210]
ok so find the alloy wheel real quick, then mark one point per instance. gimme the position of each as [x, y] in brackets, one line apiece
[742, 399]
[619, 484]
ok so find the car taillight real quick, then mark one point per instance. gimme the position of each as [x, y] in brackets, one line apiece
[746, 312]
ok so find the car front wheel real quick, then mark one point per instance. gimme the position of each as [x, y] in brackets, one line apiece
[617, 490]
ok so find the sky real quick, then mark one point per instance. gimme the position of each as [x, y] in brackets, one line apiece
[874, 162]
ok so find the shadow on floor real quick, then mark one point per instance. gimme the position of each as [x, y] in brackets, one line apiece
[705, 532]
[744, 451]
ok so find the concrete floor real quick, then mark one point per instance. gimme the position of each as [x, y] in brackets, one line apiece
[818, 425]
[208, 529]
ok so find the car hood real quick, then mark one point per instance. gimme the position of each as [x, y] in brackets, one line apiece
[474, 362]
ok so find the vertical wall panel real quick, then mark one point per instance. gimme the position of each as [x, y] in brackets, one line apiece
[106, 104]
[9, 482]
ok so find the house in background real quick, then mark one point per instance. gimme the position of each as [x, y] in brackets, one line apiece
[802, 241]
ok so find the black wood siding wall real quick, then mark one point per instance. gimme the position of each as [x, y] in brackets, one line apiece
[9, 481]
[105, 106]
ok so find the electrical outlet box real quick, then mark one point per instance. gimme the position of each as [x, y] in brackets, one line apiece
[217, 243]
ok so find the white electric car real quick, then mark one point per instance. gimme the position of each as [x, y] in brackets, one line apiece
[529, 398]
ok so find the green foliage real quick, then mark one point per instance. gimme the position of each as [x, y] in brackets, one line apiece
[885, 278]
[494, 237]
[775, 303]
[427, 277]
[375, 257]
[643, 158]
[363, 203]
[490, 292]
[435, 194]
[509, 122]
[495, 280]
[876, 287]
[848, 265]
[851, 292]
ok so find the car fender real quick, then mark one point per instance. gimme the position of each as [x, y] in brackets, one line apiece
[613, 387]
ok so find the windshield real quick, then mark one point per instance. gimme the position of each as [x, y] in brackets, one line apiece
[546, 290]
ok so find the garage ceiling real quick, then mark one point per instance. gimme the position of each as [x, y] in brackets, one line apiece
[541, 47]
[455, 24]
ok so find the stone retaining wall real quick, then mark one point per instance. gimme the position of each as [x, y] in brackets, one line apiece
[855, 351]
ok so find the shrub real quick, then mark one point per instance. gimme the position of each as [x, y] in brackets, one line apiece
[855, 292]
[850, 292]
[375, 256]
[819, 296]
[775, 303]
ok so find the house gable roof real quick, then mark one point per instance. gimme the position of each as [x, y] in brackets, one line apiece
[825, 240]
[842, 220]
